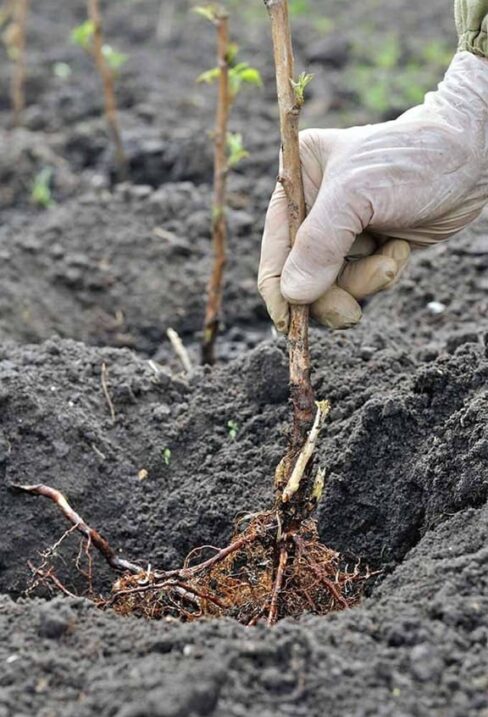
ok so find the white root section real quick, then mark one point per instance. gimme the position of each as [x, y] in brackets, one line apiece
[179, 349]
[323, 408]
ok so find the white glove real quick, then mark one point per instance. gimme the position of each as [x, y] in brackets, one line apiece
[372, 192]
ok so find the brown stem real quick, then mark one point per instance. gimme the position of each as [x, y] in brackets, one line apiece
[102, 545]
[19, 16]
[302, 394]
[219, 224]
[107, 78]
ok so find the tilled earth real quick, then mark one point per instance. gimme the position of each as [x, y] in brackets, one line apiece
[98, 278]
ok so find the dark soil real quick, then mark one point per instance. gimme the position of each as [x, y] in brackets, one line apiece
[100, 277]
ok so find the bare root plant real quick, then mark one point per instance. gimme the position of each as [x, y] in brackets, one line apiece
[275, 565]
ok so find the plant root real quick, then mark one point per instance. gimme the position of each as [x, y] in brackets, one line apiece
[262, 575]
[258, 576]
[92, 535]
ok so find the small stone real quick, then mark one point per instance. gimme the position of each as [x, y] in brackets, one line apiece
[436, 307]
[367, 352]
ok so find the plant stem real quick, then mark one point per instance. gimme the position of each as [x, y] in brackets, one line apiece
[20, 8]
[302, 394]
[219, 224]
[107, 78]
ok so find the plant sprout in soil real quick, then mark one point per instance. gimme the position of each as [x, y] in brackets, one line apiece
[275, 565]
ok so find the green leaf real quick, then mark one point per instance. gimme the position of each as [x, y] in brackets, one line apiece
[243, 73]
[235, 149]
[209, 76]
[232, 429]
[209, 12]
[41, 188]
[166, 452]
[252, 76]
[115, 59]
[232, 52]
[299, 86]
[82, 35]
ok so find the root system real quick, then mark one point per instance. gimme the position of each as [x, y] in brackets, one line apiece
[262, 575]
[250, 580]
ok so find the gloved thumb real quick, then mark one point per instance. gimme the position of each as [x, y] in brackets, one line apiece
[322, 242]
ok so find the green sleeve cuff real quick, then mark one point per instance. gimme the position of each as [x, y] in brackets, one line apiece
[472, 25]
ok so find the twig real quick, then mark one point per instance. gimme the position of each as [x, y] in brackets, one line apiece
[187, 573]
[219, 224]
[104, 382]
[290, 102]
[98, 452]
[185, 589]
[19, 19]
[45, 576]
[277, 585]
[100, 543]
[107, 78]
[179, 349]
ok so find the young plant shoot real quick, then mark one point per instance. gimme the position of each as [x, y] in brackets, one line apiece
[275, 565]
[89, 36]
[228, 152]
[14, 38]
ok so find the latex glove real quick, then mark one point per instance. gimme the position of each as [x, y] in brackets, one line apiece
[372, 192]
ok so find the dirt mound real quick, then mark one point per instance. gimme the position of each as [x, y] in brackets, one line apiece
[404, 448]
[391, 487]
[104, 258]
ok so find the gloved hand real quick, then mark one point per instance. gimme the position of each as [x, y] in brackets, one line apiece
[373, 192]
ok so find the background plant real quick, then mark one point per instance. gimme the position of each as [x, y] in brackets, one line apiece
[229, 150]
[388, 81]
[14, 20]
[89, 36]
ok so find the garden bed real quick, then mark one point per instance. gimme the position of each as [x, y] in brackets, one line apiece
[97, 279]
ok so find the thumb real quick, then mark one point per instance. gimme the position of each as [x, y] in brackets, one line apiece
[323, 240]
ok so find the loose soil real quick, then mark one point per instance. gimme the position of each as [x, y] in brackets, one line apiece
[98, 278]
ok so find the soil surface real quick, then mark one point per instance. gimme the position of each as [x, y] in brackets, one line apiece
[96, 280]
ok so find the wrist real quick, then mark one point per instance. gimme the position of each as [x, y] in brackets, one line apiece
[472, 26]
